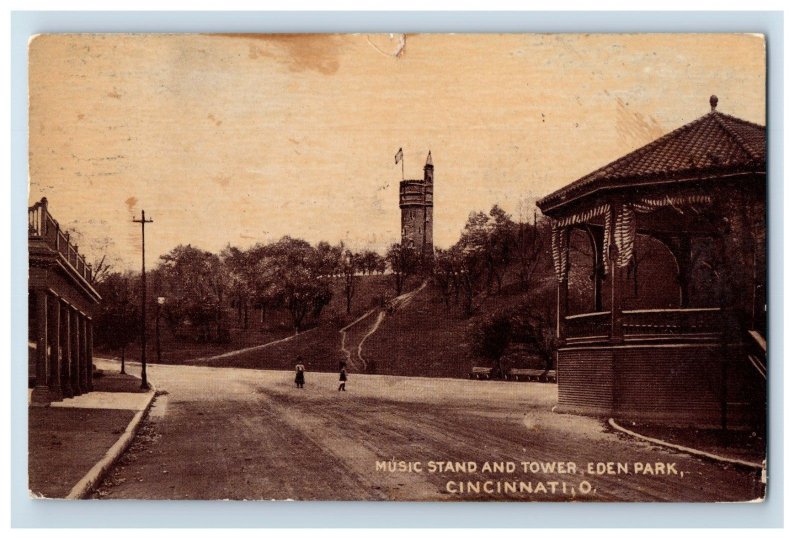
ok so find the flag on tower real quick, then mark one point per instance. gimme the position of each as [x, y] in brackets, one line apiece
[398, 156]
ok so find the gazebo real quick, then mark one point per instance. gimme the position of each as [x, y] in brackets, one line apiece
[661, 269]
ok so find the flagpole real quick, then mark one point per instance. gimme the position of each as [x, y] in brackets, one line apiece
[399, 155]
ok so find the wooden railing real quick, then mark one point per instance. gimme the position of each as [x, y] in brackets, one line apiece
[666, 322]
[42, 225]
[588, 325]
[645, 323]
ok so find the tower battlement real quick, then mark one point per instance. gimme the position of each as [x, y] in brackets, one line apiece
[416, 193]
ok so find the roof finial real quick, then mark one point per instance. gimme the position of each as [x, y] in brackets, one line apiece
[430, 159]
[713, 102]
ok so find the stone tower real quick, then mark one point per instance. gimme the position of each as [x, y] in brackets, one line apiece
[416, 211]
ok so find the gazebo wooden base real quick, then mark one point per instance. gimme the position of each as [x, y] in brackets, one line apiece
[695, 384]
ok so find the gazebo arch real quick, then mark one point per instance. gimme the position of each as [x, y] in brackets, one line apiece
[699, 191]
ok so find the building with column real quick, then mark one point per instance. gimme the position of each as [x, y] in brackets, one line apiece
[416, 211]
[660, 258]
[61, 300]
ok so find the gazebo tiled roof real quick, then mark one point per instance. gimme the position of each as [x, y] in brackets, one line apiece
[715, 145]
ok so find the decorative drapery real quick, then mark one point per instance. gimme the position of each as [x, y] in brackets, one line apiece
[561, 234]
[679, 203]
[560, 251]
[625, 225]
[624, 235]
[621, 225]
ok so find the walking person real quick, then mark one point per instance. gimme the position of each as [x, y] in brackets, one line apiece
[342, 378]
[299, 373]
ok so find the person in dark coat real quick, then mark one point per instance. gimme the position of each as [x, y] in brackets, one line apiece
[342, 378]
[299, 374]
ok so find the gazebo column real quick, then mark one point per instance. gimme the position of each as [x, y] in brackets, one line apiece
[40, 392]
[66, 350]
[563, 305]
[54, 343]
[563, 286]
[617, 290]
[683, 254]
[598, 270]
[618, 275]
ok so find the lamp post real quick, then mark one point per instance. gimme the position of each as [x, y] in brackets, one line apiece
[160, 301]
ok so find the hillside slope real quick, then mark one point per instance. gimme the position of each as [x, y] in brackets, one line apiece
[415, 335]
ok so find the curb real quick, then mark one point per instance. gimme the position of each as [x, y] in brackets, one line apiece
[93, 477]
[695, 452]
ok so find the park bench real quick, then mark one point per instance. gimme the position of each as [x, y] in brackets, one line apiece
[551, 377]
[480, 373]
[528, 375]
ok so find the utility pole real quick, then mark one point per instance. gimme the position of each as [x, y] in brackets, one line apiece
[145, 385]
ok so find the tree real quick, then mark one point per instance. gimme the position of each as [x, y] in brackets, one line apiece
[445, 274]
[196, 283]
[533, 324]
[531, 243]
[98, 251]
[491, 238]
[470, 269]
[454, 271]
[405, 261]
[236, 265]
[370, 261]
[491, 336]
[293, 277]
[118, 318]
[329, 258]
[349, 264]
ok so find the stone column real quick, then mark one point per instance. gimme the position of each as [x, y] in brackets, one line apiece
[40, 393]
[84, 358]
[66, 350]
[89, 352]
[75, 370]
[54, 334]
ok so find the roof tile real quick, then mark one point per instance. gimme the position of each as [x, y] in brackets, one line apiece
[715, 143]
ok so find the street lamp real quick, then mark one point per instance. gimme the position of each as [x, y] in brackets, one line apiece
[160, 301]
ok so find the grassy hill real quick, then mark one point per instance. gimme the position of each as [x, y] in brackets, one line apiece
[275, 325]
[428, 338]
[423, 338]
[319, 348]
[419, 337]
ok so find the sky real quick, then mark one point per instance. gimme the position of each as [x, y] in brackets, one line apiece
[239, 139]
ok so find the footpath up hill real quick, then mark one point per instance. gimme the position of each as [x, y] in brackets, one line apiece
[420, 336]
[320, 346]
[275, 325]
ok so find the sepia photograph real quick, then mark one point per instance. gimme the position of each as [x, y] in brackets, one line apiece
[243, 285]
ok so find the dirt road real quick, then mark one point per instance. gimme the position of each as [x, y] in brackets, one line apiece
[246, 434]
